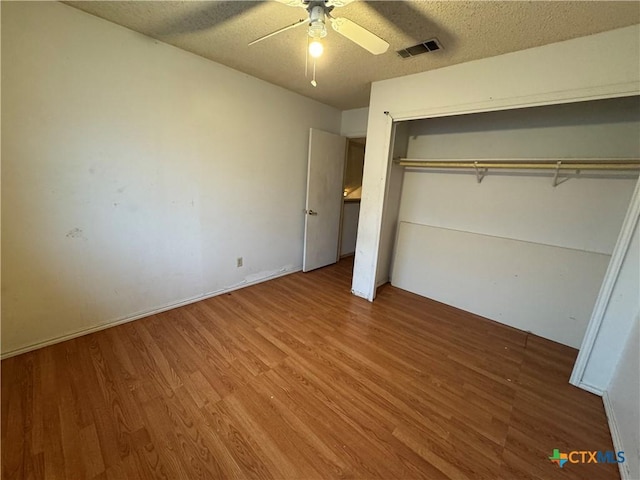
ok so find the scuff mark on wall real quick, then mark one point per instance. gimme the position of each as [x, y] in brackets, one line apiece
[75, 233]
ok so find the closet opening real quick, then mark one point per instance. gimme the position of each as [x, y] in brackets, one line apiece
[527, 247]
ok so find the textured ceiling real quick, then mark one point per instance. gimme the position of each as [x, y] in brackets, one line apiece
[468, 31]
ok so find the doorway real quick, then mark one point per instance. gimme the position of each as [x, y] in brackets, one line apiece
[351, 196]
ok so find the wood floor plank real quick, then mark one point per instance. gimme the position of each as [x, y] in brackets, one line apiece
[12, 421]
[310, 443]
[169, 444]
[248, 459]
[356, 445]
[297, 378]
[54, 458]
[113, 449]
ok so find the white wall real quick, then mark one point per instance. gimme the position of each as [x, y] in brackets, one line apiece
[354, 122]
[529, 286]
[623, 402]
[597, 66]
[350, 214]
[594, 129]
[135, 173]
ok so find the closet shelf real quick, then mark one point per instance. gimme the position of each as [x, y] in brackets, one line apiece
[526, 164]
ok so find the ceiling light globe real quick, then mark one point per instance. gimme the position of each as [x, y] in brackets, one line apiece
[315, 49]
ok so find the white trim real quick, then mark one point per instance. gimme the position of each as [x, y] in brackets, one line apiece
[359, 294]
[388, 145]
[371, 294]
[591, 389]
[604, 296]
[615, 435]
[385, 213]
[513, 103]
[137, 316]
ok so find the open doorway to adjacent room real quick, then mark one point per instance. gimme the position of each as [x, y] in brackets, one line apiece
[352, 194]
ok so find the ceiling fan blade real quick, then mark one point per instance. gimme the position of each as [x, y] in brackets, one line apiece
[293, 3]
[284, 29]
[339, 3]
[301, 3]
[359, 35]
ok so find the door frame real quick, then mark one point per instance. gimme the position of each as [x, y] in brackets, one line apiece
[623, 243]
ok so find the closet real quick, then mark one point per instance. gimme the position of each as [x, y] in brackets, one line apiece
[513, 215]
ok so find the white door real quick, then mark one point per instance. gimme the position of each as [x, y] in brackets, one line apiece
[324, 199]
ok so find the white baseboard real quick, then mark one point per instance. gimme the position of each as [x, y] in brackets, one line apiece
[615, 435]
[147, 313]
[591, 389]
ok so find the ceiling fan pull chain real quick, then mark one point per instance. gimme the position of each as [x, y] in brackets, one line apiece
[306, 59]
[313, 82]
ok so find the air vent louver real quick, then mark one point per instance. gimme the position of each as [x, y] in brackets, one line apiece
[424, 47]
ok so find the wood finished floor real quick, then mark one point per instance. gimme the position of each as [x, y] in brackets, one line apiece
[295, 378]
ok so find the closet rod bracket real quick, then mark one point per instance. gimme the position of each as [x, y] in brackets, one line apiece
[557, 182]
[480, 172]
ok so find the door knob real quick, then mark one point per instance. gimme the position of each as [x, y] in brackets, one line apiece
[311, 212]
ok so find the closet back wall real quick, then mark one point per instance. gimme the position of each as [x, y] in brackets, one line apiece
[514, 248]
[134, 174]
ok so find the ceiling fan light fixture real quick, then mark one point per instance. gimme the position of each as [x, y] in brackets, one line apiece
[317, 30]
[316, 49]
[317, 16]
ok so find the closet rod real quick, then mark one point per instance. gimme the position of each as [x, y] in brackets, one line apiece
[528, 164]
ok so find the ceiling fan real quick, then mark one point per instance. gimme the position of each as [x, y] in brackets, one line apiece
[318, 13]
